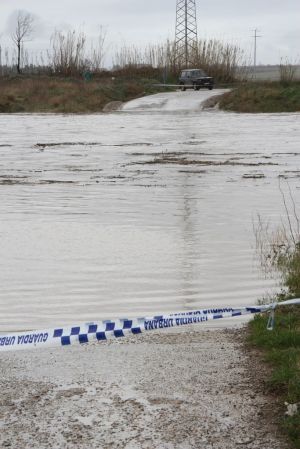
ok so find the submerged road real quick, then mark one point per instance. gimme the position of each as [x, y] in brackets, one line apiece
[138, 212]
[176, 102]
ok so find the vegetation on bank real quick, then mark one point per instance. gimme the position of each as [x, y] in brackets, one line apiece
[281, 346]
[68, 95]
[91, 92]
[281, 350]
[256, 97]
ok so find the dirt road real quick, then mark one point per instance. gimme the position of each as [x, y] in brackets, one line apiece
[180, 390]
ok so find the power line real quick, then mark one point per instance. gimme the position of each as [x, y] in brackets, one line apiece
[256, 36]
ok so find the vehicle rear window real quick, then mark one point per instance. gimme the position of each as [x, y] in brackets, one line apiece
[198, 73]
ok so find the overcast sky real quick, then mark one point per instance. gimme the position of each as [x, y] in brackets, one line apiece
[143, 21]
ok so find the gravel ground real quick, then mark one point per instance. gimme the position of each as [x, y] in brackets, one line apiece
[183, 390]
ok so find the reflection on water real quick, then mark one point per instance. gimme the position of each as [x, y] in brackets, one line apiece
[136, 212]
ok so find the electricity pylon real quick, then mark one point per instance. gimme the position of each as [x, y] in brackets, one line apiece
[186, 32]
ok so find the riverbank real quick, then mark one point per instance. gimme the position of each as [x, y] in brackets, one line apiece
[191, 389]
[280, 350]
[64, 95]
[68, 95]
[279, 251]
[262, 97]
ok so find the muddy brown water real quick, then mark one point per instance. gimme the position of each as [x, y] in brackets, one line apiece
[145, 210]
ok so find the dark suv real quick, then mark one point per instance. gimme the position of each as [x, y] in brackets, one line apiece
[195, 78]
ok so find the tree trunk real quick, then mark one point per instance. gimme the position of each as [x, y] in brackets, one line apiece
[19, 58]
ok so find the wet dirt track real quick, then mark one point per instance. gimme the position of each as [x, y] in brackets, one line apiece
[183, 390]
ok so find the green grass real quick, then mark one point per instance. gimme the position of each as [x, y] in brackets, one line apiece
[281, 346]
[281, 349]
[291, 272]
[263, 97]
[65, 95]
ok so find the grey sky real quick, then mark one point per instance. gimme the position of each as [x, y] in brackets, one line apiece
[141, 21]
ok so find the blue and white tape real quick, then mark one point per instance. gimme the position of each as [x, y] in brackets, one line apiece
[104, 330]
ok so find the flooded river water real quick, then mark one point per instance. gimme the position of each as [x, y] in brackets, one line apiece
[145, 210]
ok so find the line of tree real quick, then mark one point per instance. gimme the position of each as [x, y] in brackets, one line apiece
[70, 54]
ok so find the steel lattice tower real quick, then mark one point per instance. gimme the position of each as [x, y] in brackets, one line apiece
[186, 31]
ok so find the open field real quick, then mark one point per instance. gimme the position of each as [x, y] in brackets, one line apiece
[268, 73]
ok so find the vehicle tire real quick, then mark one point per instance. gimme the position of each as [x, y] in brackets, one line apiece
[182, 88]
[210, 88]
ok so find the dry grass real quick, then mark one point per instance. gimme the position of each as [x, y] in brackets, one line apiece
[263, 97]
[66, 95]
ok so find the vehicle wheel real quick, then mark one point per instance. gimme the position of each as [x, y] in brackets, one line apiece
[182, 88]
[210, 88]
[195, 86]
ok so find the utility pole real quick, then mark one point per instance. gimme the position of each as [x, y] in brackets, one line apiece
[256, 36]
[186, 38]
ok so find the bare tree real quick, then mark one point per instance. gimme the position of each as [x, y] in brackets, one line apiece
[1, 67]
[23, 30]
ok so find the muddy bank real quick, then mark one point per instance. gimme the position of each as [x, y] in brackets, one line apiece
[187, 390]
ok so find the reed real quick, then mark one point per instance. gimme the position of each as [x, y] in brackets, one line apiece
[287, 72]
[221, 60]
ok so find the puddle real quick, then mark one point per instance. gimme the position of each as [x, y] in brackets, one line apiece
[106, 224]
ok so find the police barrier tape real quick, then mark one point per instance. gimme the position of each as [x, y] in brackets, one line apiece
[107, 329]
